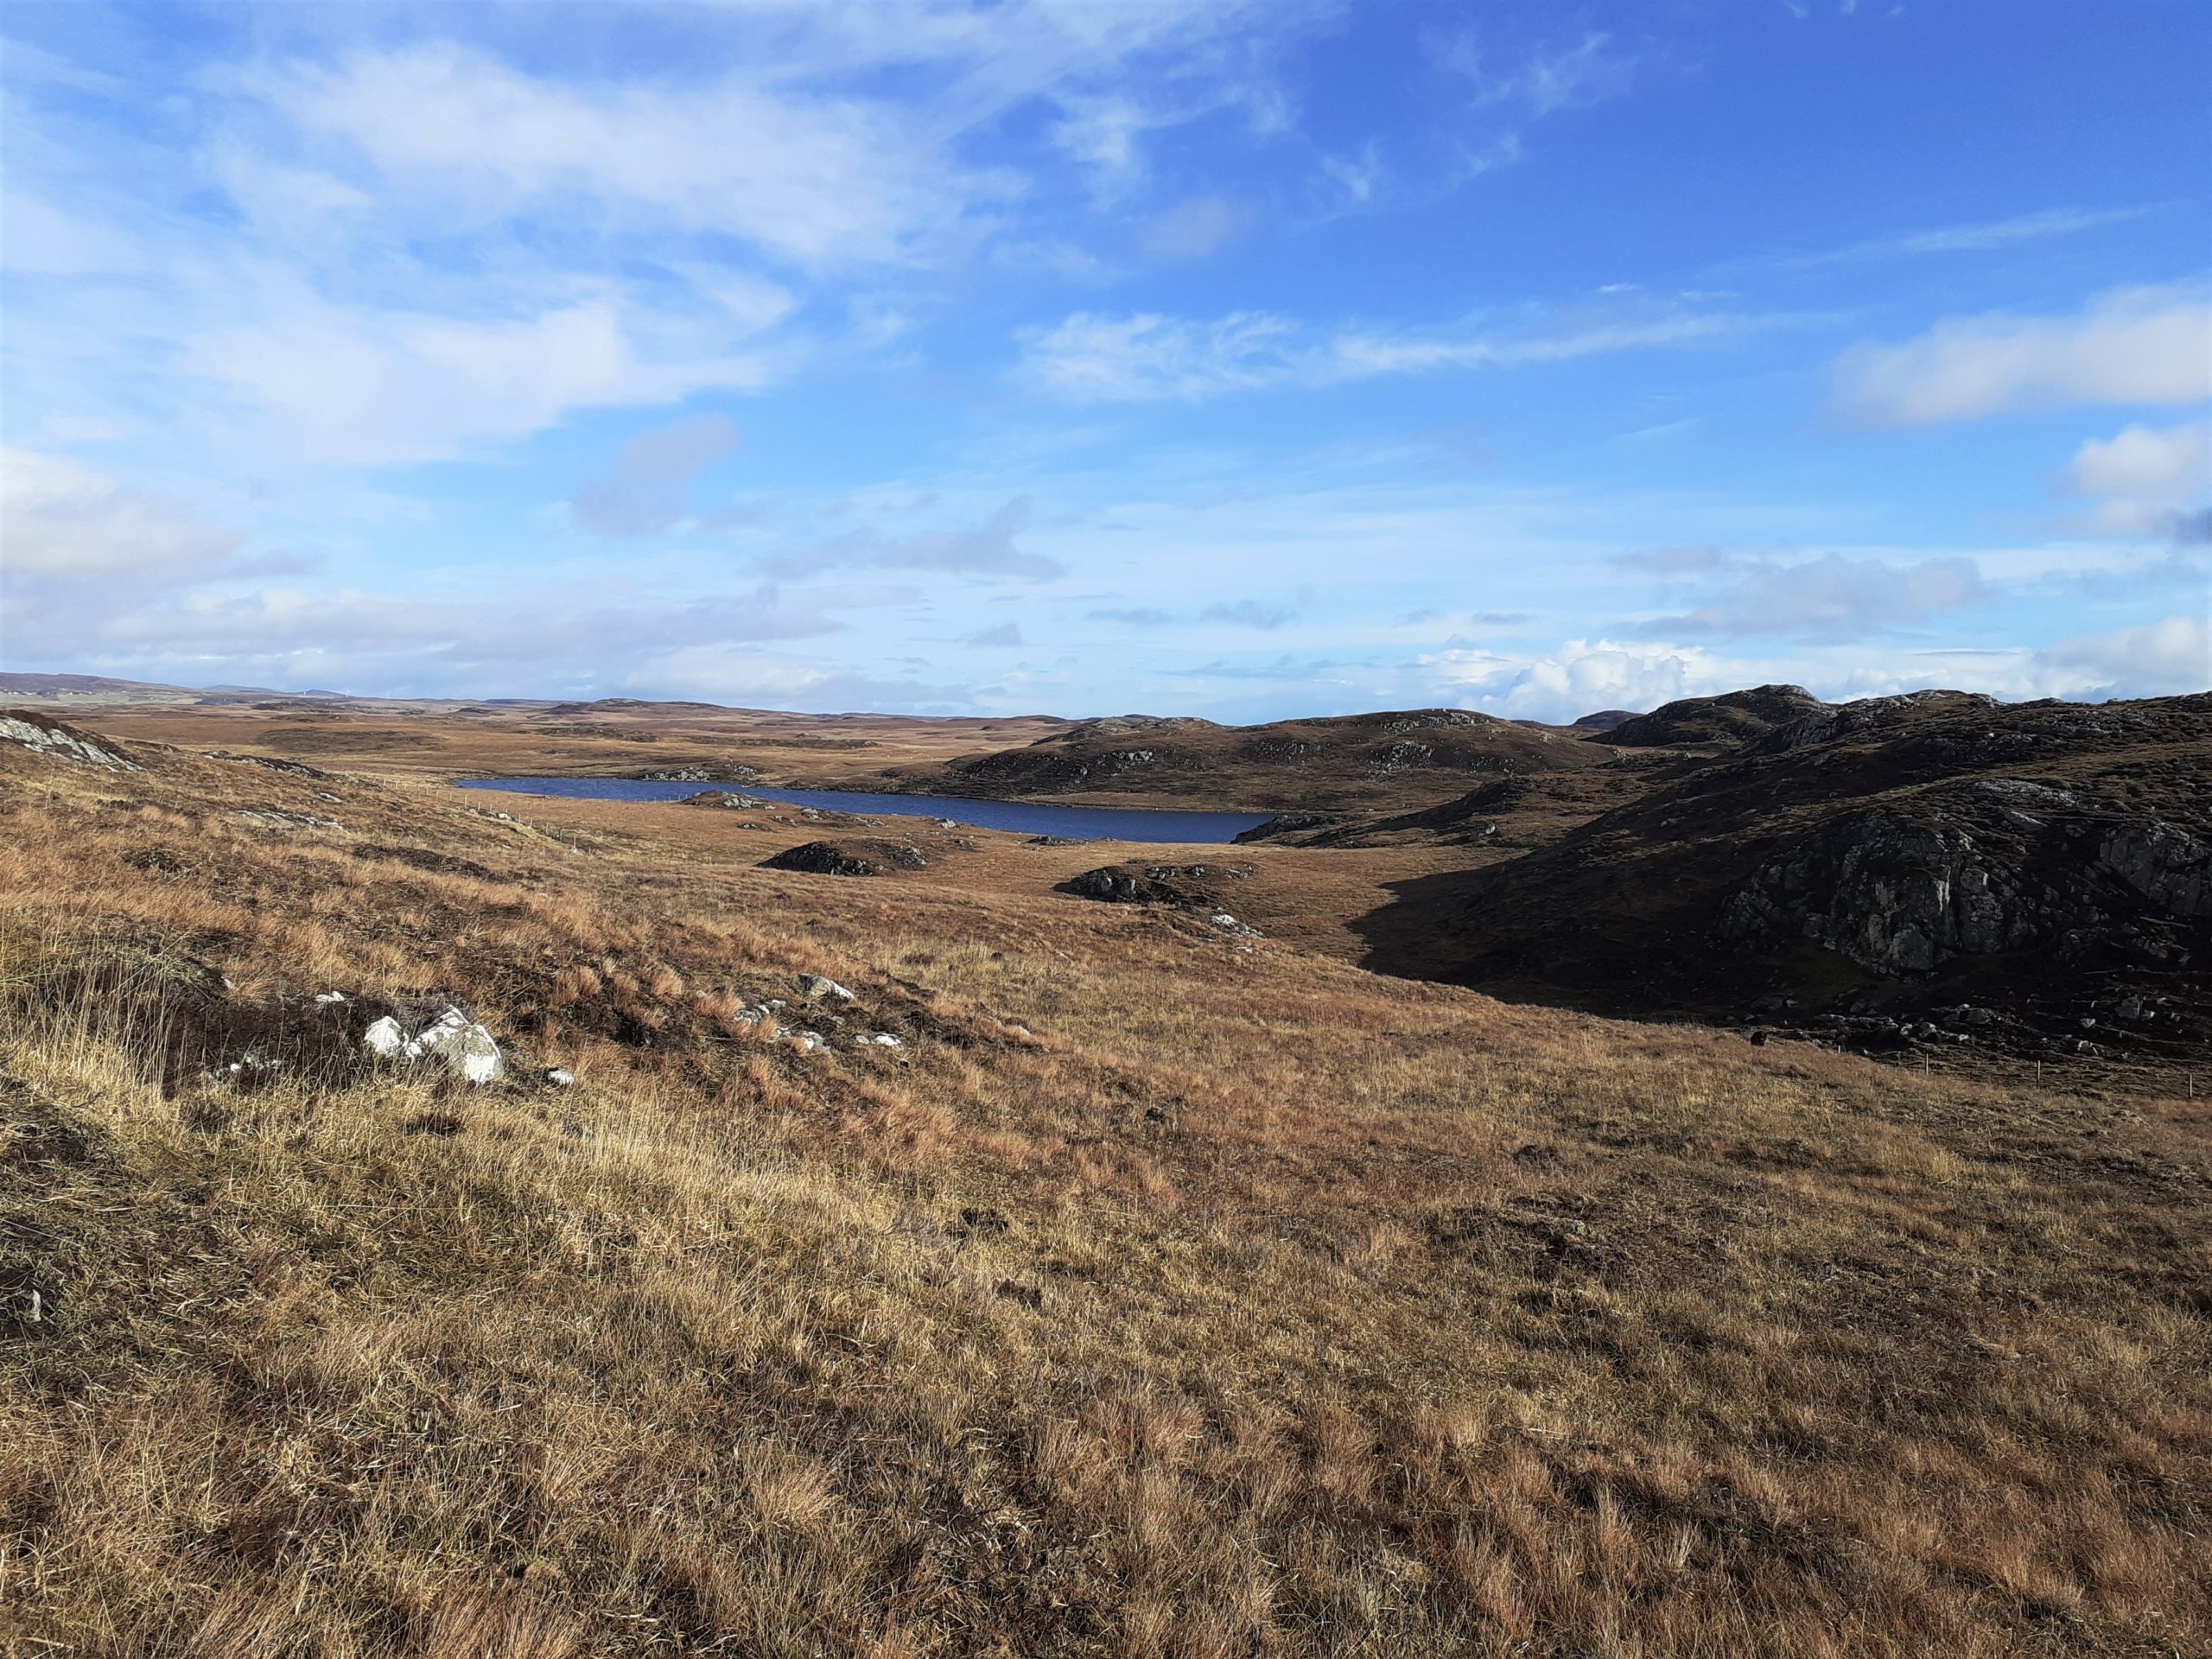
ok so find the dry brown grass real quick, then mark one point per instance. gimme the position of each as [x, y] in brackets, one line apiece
[1246, 1304]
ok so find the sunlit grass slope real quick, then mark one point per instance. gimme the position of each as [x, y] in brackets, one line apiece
[1155, 1296]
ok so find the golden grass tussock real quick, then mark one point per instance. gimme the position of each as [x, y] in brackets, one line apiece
[1149, 1297]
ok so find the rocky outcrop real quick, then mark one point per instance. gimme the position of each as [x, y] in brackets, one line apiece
[1867, 716]
[1909, 851]
[847, 858]
[1189, 885]
[1892, 895]
[1906, 895]
[42, 735]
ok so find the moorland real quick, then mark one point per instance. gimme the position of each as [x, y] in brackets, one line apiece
[1648, 1191]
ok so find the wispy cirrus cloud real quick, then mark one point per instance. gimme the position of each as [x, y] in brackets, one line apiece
[2133, 346]
[1542, 77]
[1972, 235]
[1091, 356]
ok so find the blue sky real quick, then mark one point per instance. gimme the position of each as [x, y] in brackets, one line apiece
[1244, 360]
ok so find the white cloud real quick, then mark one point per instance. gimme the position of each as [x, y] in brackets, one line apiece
[2135, 346]
[1090, 357]
[2165, 658]
[1582, 676]
[2166, 466]
[61, 518]
[312, 381]
[1832, 597]
[813, 179]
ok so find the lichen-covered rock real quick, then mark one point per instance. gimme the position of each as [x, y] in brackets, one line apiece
[1902, 896]
[44, 735]
[465, 1046]
[2168, 866]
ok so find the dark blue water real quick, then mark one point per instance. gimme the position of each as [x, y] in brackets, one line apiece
[1076, 823]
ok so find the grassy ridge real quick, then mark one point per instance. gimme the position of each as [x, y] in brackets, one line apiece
[1155, 1297]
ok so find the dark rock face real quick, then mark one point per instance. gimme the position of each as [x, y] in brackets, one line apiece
[847, 858]
[1899, 897]
[1732, 717]
[1605, 720]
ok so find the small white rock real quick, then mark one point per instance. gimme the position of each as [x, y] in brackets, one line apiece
[384, 1037]
[559, 1075]
[326, 998]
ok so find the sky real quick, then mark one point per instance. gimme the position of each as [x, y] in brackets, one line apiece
[1242, 361]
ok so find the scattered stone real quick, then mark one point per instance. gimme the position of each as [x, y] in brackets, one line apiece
[815, 987]
[559, 1075]
[276, 820]
[384, 1038]
[328, 998]
[880, 1039]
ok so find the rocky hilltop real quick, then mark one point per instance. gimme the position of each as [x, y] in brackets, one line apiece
[1732, 717]
[1900, 852]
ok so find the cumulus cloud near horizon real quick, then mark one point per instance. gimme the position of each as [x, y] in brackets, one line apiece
[1834, 597]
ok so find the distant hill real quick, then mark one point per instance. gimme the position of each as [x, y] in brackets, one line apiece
[1348, 762]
